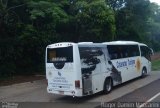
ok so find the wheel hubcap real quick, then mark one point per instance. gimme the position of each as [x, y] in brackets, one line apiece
[144, 72]
[108, 86]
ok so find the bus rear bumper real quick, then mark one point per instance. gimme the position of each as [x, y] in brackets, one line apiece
[74, 93]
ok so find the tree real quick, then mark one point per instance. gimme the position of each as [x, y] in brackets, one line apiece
[154, 27]
[28, 26]
[131, 20]
[116, 4]
[94, 21]
[9, 21]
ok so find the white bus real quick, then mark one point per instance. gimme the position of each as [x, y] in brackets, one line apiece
[80, 69]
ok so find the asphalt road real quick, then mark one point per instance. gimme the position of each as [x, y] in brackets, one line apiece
[157, 99]
[142, 94]
[32, 95]
[148, 95]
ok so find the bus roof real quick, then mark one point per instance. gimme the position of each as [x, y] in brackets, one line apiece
[120, 42]
[61, 44]
[142, 44]
[66, 44]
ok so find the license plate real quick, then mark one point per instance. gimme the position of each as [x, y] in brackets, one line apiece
[61, 92]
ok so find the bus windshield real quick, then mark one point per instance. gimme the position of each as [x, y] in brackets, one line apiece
[59, 55]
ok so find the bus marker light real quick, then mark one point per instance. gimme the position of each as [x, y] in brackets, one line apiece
[77, 83]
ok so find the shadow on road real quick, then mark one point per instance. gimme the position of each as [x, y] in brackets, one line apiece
[70, 99]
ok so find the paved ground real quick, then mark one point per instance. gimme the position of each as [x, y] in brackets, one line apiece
[36, 92]
[156, 56]
[157, 99]
[148, 94]
[142, 94]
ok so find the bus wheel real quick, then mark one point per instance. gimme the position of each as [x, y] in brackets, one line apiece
[108, 85]
[144, 72]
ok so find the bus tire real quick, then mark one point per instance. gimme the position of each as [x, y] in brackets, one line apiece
[144, 72]
[108, 85]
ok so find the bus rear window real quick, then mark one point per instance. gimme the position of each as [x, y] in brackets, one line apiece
[64, 54]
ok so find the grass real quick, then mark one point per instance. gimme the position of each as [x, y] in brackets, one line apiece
[156, 65]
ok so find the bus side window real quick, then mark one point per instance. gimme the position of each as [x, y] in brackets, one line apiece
[111, 56]
[148, 55]
[117, 51]
[111, 51]
[133, 50]
[115, 56]
[125, 54]
[124, 51]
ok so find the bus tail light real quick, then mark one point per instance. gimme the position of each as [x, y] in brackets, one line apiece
[77, 84]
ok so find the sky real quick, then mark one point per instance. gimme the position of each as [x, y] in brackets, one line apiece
[157, 1]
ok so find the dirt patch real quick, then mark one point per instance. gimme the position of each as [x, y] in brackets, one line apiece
[156, 56]
[19, 79]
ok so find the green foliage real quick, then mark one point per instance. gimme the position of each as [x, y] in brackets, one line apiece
[156, 65]
[28, 26]
[93, 20]
[115, 4]
[132, 20]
